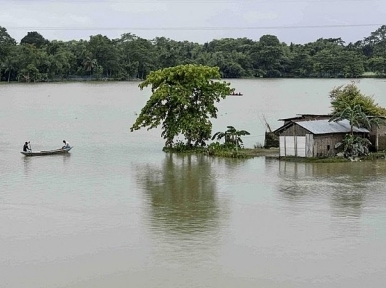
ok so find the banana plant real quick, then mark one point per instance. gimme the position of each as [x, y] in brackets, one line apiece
[231, 136]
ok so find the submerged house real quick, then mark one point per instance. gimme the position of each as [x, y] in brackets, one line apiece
[314, 136]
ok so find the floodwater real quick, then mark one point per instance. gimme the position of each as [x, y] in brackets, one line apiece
[119, 212]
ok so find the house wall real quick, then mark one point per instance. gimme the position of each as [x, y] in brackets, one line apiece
[294, 130]
[292, 146]
[310, 145]
[378, 138]
[324, 145]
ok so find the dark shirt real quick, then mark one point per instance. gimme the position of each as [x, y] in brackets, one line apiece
[25, 148]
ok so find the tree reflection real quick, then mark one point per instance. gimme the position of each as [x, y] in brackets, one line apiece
[182, 194]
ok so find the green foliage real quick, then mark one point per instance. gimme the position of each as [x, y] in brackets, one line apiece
[89, 64]
[354, 115]
[183, 102]
[232, 137]
[6, 44]
[355, 146]
[34, 38]
[224, 150]
[104, 55]
[346, 98]
[133, 57]
[181, 147]
[214, 149]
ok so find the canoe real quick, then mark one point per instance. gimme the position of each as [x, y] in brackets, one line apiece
[48, 152]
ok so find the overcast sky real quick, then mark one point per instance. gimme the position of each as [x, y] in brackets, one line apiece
[297, 21]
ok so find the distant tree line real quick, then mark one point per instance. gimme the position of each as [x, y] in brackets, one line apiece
[37, 59]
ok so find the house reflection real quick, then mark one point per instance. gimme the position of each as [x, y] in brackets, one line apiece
[347, 187]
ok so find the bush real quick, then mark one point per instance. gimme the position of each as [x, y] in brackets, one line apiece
[354, 146]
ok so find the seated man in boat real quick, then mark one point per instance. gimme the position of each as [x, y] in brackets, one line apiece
[26, 147]
[66, 144]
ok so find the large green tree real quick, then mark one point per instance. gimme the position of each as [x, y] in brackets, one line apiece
[34, 38]
[105, 52]
[183, 102]
[349, 95]
[267, 56]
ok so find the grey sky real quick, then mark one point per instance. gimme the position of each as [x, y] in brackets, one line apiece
[194, 20]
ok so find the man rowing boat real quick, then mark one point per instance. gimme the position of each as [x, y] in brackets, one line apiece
[26, 148]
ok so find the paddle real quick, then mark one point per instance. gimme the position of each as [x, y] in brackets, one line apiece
[30, 148]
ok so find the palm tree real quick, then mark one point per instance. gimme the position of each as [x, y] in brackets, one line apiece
[8, 66]
[355, 116]
[89, 64]
[232, 136]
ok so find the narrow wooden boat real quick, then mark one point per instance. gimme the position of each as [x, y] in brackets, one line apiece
[48, 152]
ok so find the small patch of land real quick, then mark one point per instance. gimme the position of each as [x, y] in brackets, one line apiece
[247, 153]
[256, 152]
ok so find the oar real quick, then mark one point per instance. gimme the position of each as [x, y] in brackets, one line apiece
[30, 148]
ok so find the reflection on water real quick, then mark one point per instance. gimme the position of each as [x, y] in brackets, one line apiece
[184, 215]
[346, 185]
[182, 194]
[33, 163]
[27, 165]
[66, 158]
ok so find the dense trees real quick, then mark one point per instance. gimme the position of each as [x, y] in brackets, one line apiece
[38, 59]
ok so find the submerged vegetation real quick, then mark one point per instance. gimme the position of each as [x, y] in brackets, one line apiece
[37, 59]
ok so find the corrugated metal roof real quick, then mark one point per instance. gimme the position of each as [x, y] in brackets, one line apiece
[325, 127]
[301, 116]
